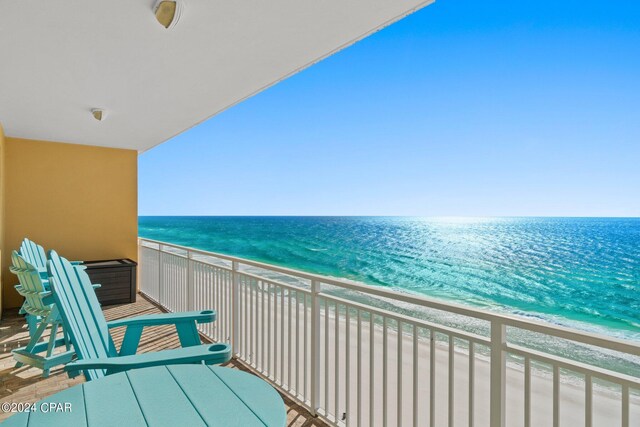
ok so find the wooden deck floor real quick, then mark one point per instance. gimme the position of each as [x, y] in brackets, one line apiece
[27, 385]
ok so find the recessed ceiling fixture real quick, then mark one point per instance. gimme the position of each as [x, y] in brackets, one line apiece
[168, 12]
[98, 114]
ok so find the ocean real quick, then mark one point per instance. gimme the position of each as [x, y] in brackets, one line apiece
[577, 272]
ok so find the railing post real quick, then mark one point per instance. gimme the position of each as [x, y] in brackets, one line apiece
[235, 308]
[160, 278]
[498, 373]
[190, 283]
[315, 348]
[139, 268]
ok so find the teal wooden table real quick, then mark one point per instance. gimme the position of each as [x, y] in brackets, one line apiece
[177, 395]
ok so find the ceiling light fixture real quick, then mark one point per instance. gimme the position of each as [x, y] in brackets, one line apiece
[168, 12]
[98, 114]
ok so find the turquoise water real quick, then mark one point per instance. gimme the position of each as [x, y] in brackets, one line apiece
[578, 272]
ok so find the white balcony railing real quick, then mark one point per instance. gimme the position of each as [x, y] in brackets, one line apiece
[366, 356]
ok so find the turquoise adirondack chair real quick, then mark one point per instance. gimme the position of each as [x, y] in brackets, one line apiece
[89, 331]
[39, 307]
[35, 255]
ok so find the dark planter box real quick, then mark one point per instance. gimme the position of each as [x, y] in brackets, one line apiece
[117, 277]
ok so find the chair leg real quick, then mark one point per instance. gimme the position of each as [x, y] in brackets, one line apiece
[131, 340]
[54, 318]
[67, 342]
[52, 339]
[32, 323]
[35, 337]
[51, 346]
[188, 333]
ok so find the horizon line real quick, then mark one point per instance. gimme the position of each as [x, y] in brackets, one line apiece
[390, 216]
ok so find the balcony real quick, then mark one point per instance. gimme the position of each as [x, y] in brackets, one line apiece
[341, 353]
[358, 355]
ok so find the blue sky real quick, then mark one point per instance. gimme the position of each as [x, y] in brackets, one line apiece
[495, 108]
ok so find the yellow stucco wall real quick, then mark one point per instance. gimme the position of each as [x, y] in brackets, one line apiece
[1, 209]
[79, 200]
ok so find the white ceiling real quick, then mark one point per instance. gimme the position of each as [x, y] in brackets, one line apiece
[60, 59]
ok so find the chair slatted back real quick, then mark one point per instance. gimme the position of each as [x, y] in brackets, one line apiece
[80, 311]
[34, 254]
[31, 285]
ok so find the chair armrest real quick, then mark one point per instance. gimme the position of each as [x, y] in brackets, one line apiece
[76, 262]
[42, 295]
[185, 324]
[205, 316]
[47, 298]
[96, 285]
[207, 353]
